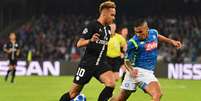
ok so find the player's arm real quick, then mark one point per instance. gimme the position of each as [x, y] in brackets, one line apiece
[18, 52]
[131, 46]
[123, 47]
[128, 65]
[84, 42]
[88, 35]
[175, 43]
[5, 49]
[130, 68]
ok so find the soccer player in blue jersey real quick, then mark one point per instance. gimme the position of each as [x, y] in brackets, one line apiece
[140, 61]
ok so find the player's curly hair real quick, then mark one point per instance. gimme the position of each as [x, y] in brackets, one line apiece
[107, 5]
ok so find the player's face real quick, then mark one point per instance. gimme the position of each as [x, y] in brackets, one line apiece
[12, 36]
[142, 31]
[110, 16]
[124, 32]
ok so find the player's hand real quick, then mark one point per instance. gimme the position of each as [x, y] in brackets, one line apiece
[9, 50]
[95, 37]
[134, 72]
[122, 55]
[177, 44]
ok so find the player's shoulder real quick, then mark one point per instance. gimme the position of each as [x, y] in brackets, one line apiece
[153, 31]
[133, 39]
[88, 27]
[93, 23]
[8, 43]
[118, 35]
[17, 44]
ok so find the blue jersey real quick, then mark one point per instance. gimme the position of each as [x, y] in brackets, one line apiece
[143, 53]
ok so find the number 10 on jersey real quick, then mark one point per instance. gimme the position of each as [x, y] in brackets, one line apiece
[80, 72]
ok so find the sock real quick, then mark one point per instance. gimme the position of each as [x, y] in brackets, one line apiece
[106, 94]
[121, 72]
[65, 97]
[6, 77]
[13, 76]
[122, 78]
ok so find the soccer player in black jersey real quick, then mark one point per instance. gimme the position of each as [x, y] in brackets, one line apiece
[12, 50]
[94, 64]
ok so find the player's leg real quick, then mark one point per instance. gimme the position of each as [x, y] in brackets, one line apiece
[154, 90]
[82, 77]
[107, 78]
[122, 96]
[105, 75]
[127, 88]
[118, 63]
[73, 92]
[9, 70]
[122, 72]
[116, 76]
[150, 84]
[13, 73]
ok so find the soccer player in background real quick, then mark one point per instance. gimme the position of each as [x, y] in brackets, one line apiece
[116, 50]
[94, 62]
[123, 30]
[140, 61]
[12, 49]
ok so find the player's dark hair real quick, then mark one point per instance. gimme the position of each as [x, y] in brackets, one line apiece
[139, 22]
[106, 5]
[120, 28]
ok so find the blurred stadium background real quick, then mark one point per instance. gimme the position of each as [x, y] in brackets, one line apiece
[48, 30]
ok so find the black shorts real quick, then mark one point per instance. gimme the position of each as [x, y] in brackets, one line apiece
[12, 62]
[85, 73]
[115, 63]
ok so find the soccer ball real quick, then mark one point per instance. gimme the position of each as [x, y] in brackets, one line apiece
[80, 97]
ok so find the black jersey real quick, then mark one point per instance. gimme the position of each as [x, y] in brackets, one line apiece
[13, 47]
[95, 52]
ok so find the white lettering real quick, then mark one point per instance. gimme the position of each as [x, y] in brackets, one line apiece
[21, 68]
[33, 68]
[53, 69]
[187, 71]
[184, 71]
[197, 72]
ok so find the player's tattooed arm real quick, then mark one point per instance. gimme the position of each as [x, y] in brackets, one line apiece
[129, 67]
[84, 42]
[175, 43]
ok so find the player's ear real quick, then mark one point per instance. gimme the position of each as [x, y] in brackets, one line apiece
[135, 29]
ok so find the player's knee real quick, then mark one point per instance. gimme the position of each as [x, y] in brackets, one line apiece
[121, 98]
[73, 93]
[117, 77]
[157, 95]
[110, 83]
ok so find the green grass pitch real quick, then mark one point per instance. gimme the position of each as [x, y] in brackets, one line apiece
[34, 88]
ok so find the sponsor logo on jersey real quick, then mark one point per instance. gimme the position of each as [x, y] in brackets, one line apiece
[102, 42]
[151, 45]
